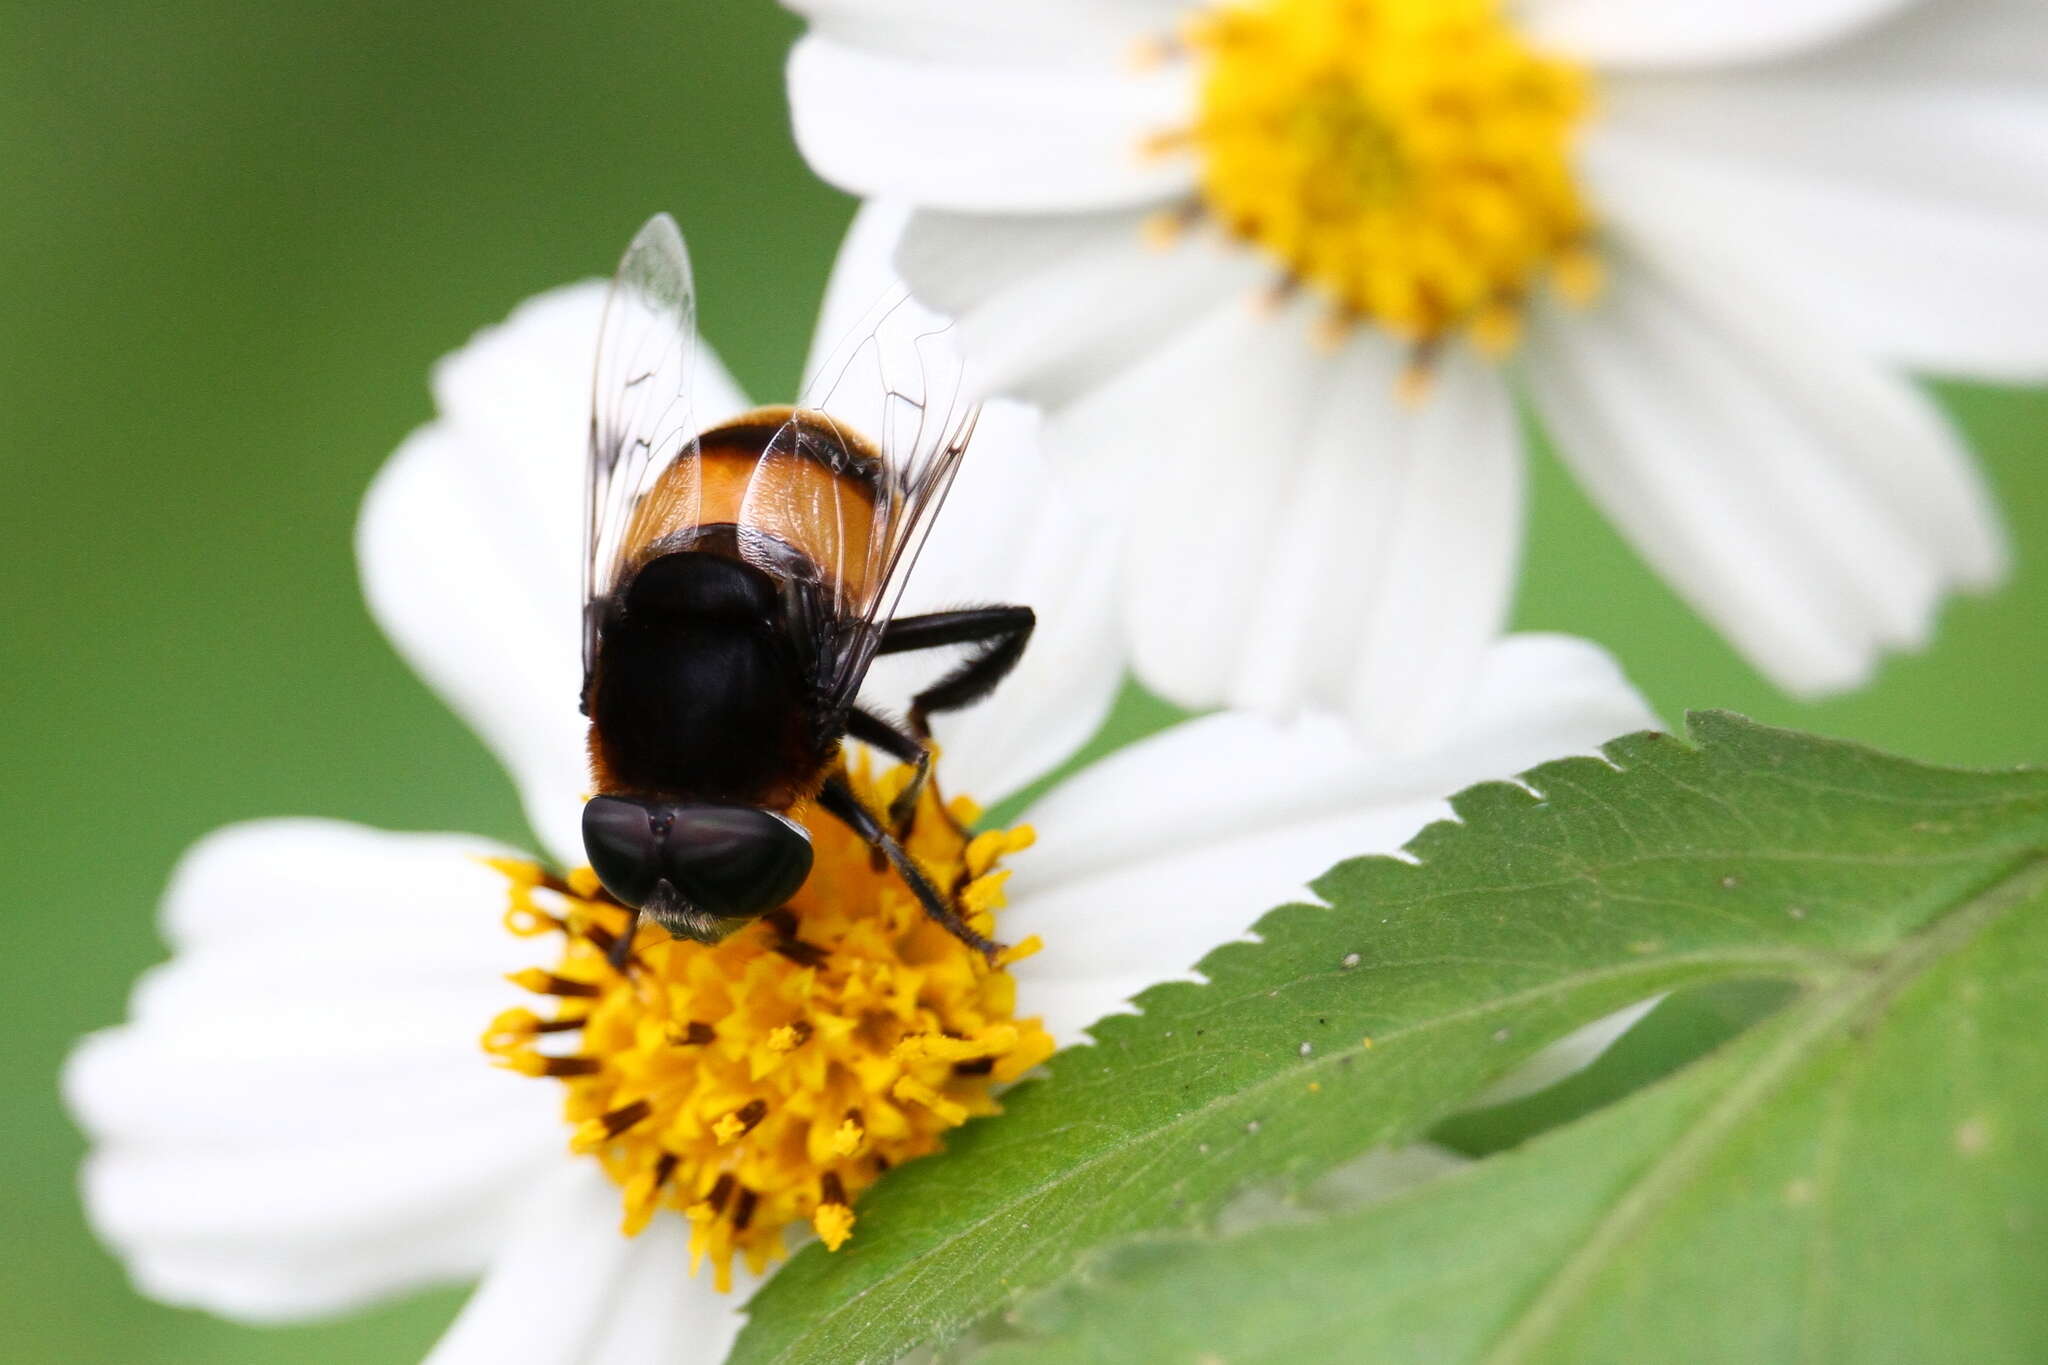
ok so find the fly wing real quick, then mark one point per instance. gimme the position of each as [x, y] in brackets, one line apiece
[641, 415]
[890, 415]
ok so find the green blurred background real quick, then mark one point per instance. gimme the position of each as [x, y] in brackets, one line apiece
[234, 237]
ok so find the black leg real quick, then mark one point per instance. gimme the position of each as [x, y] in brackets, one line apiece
[904, 747]
[838, 799]
[869, 728]
[1001, 633]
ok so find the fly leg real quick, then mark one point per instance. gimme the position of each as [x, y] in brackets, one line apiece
[899, 744]
[838, 798]
[999, 635]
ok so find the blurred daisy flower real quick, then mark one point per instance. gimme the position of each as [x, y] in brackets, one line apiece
[1700, 236]
[302, 1115]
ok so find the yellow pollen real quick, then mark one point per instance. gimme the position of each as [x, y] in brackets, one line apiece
[834, 1223]
[848, 1139]
[1410, 159]
[767, 1080]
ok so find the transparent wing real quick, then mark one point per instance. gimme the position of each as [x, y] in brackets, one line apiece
[891, 406]
[640, 401]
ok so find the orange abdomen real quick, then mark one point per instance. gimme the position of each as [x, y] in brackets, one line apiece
[804, 482]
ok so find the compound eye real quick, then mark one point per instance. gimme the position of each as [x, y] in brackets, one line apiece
[624, 847]
[736, 860]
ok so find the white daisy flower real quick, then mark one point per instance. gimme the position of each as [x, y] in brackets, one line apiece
[1700, 236]
[298, 1117]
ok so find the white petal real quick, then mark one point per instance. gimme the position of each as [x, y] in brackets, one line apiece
[1161, 851]
[1389, 573]
[2001, 42]
[1299, 537]
[659, 1315]
[470, 543]
[1219, 420]
[1056, 305]
[298, 1117]
[1809, 505]
[279, 879]
[1631, 33]
[1009, 534]
[568, 1288]
[995, 30]
[987, 137]
[274, 1234]
[1320, 568]
[1978, 149]
[1915, 223]
[863, 274]
[481, 619]
[552, 1279]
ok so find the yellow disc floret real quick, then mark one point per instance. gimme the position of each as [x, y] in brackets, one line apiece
[770, 1078]
[1411, 159]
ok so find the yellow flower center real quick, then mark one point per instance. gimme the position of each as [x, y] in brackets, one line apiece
[770, 1078]
[1411, 159]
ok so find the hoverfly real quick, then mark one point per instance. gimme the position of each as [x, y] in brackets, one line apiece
[738, 582]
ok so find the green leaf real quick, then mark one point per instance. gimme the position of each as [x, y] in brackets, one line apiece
[1860, 1179]
[1749, 853]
